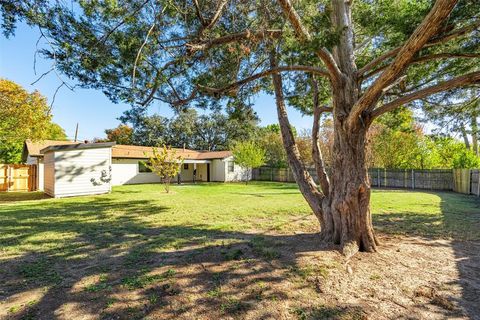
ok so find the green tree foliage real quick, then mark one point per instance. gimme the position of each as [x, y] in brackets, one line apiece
[270, 139]
[212, 131]
[121, 134]
[398, 141]
[23, 115]
[249, 154]
[166, 164]
[457, 112]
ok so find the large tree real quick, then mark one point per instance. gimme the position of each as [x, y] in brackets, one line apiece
[23, 115]
[355, 60]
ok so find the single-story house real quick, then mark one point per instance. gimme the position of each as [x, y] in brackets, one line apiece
[67, 168]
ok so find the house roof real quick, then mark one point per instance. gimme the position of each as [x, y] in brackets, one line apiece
[78, 146]
[140, 152]
[36, 149]
[32, 148]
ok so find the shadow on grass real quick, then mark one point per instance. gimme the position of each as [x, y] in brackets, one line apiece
[459, 222]
[9, 197]
[104, 256]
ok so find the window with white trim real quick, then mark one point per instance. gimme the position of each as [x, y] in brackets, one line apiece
[231, 166]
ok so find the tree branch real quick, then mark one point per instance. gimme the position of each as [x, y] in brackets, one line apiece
[234, 86]
[305, 181]
[434, 41]
[426, 30]
[199, 13]
[215, 17]
[470, 78]
[316, 151]
[139, 53]
[429, 58]
[304, 36]
[247, 34]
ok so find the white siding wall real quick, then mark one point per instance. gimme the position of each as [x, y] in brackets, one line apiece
[218, 170]
[187, 175]
[79, 172]
[125, 171]
[40, 172]
[202, 172]
[238, 174]
[49, 174]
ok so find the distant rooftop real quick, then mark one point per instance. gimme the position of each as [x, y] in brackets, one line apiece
[38, 148]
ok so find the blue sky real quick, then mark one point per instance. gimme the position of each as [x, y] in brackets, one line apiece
[90, 108]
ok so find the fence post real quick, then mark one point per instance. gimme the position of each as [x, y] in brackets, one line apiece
[470, 174]
[405, 177]
[271, 174]
[385, 176]
[478, 183]
[413, 179]
[9, 177]
[378, 178]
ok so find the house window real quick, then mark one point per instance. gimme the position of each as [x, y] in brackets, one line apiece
[185, 166]
[142, 167]
[231, 166]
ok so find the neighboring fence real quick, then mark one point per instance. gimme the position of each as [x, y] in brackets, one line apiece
[459, 180]
[475, 182]
[411, 179]
[18, 177]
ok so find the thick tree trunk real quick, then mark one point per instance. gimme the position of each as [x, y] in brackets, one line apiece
[348, 207]
[344, 210]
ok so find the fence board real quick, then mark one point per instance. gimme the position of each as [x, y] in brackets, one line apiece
[18, 177]
[461, 180]
[3, 177]
[437, 179]
[475, 182]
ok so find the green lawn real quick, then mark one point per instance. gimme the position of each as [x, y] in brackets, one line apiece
[57, 242]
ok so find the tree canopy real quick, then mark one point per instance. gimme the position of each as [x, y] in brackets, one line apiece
[23, 115]
[214, 131]
[188, 51]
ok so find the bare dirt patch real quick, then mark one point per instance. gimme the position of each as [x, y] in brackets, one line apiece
[274, 276]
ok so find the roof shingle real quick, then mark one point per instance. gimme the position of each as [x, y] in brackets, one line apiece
[128, 151]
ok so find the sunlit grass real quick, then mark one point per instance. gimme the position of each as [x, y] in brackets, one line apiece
[133, 213]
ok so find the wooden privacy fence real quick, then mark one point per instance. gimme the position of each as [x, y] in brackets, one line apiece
[459, 180]
[435, 179]
[18, 177]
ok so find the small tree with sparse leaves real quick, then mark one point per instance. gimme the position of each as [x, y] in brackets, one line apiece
[249, 155]
[166, 164]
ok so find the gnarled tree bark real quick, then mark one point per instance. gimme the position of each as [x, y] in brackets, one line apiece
[342, 203]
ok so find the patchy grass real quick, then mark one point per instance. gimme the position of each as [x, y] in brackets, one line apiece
[427, 214]
[9, 197]
[227, 250]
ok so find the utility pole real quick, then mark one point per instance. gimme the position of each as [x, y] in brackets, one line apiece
[76, 132]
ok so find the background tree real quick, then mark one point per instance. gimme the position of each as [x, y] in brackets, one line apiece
[166, 164]
[355, 60]
[23, 115]
[249, 155]
[456, 112]
[122, 134]
[271, 142]
[211, 131]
